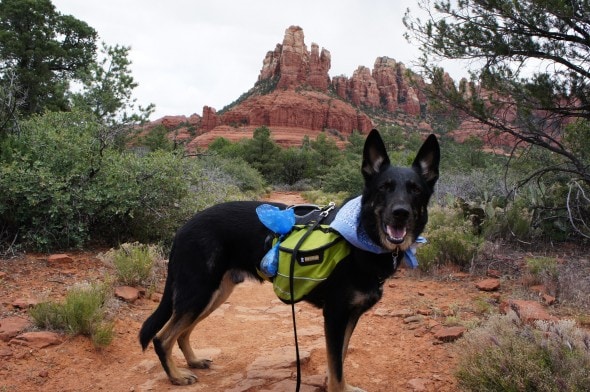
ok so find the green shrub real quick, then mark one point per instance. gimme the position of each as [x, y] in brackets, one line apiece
[505, 355]
[134, 263]
[542, 266]
[512, 222]
[344, 177]
[451, 239]
[82, 313]
[236, 171]
[43, 175]
[63, 183]
[322, 198]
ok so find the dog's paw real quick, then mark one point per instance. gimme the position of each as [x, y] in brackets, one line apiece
[185, 377]
[350, 388]
[200, 364]
[347, 388]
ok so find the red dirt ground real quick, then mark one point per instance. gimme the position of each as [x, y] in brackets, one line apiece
[249, 338]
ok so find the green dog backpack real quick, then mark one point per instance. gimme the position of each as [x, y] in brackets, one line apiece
[310, 252]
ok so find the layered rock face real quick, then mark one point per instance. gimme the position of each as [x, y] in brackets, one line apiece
[294, 90]
[388, 87]
[300, 98]
[294, 65]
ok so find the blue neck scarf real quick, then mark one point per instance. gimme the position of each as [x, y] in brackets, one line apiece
[347, 223]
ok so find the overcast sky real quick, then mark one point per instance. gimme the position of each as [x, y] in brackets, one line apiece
[191, 53]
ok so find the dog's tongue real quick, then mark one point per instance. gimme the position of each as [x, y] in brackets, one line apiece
[396, 233]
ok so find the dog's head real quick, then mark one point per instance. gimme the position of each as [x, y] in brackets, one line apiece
[394, 203]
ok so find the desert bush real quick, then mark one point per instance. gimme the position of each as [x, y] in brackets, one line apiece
[506, 355]
[573, 279]
[451, 239]
[134, 263]
[62, 185]
[234, 172]
[344, 177]
[322, 198]
[82, 313]
[512, 222]
[542, 268]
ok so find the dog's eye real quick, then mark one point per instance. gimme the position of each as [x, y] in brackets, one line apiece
[387, 186]
[414, 188]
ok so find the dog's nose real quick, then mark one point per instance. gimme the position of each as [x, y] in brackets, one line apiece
[401, 213]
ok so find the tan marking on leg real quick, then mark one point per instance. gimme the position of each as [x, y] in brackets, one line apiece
[218, 298]
[167, 337]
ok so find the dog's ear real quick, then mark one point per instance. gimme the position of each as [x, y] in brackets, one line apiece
[375, 156]
[427, 160]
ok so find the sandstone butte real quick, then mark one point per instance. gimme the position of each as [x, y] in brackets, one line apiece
[295, 96]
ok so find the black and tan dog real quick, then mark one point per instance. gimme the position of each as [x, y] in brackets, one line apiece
[223, 244]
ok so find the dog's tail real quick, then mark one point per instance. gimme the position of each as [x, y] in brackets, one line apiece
[161, 315]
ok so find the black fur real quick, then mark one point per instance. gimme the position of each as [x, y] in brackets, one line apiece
[223, 244]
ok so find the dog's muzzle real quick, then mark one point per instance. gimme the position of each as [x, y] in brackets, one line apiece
[396, 228]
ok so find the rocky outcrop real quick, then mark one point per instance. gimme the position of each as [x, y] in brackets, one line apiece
[209, 119]
[294, 90]
[306, 109]
[174, 122]
[389, 87]
[293, 65]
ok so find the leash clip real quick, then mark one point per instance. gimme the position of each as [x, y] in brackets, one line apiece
[327, 209]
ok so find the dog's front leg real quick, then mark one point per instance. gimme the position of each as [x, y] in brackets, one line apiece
[338, 328]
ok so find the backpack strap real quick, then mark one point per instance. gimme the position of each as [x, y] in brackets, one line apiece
[322, 215]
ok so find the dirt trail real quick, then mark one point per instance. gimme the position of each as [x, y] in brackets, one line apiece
[249, 338]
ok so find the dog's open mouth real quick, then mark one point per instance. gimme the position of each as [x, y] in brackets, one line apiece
[395, 234]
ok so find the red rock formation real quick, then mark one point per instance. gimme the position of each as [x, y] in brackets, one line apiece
[294, 65]
[363, 88]
[301, 97]
[312, 110]
[209, 120]
[388, 87]
[386, 79]
[319, 65]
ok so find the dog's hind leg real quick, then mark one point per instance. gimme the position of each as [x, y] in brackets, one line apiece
[164, 342]
[194, 308]
[218, 298]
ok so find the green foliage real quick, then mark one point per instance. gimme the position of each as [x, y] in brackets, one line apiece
[10, 104]
[234, 172]
[451, 239]
[505, 355]
[288, 166]
[107, 88]
[82, 313]
[42, 178]
[512, 222]
[60, 186]
[262, 152]
[344, 176]
[322, 198]
[156, 139]
[44, 49]
[543, 270]
[134, 263]
[296, 164]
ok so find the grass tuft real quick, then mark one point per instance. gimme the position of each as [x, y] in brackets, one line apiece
[505, 355]
[82, 313]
